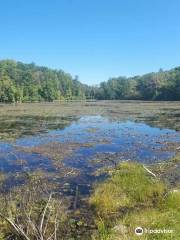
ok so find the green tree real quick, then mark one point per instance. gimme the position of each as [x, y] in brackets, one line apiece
[7, 90]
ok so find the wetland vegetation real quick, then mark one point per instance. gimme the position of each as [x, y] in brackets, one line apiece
[89, 170]
[93, 156]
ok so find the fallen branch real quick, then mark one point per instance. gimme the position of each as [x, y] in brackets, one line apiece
[154, 175]
[44, 213]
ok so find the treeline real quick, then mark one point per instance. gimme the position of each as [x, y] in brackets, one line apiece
[163, 85]
[21, 82]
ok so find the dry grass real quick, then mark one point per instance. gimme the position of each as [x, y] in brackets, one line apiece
[117, 109]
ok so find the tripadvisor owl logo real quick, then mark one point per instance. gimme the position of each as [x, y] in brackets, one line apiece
[139, 231]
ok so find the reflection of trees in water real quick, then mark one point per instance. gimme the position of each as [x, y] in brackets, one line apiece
[15, 127]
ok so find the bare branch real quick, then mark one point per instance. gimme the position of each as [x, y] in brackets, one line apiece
[15, 227]
[154, 175]
[44, 213]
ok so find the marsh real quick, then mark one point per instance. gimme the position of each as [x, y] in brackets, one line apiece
[71, 145]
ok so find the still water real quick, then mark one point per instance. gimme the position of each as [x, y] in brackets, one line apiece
[128, 140]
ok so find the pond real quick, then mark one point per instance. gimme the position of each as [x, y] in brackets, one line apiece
[84, 146]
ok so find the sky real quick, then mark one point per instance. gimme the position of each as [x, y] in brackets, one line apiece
[95, 39]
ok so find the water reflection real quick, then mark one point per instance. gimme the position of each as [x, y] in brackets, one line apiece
[93, 135]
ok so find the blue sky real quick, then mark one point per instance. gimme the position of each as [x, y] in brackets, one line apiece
[94, 39]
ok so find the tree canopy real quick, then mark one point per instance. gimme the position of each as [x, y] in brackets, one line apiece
[28, 82]
[21, 82]
[163, 85]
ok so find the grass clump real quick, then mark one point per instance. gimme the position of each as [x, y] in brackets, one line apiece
[166, 216]
[130, 186]
[132, 198]
[104, 233]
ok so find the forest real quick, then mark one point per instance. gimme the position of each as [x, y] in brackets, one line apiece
[21, 82]
[27, 82]
[163, 85]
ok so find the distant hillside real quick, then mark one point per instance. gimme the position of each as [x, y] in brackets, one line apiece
[163, 85]
[21, 82]
[28, 82]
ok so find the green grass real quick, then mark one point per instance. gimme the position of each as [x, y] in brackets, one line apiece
[103, 232]
[166, 216]
[131, 197]
[129, 186]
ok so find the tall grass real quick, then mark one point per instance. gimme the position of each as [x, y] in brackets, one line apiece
[131, 197]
